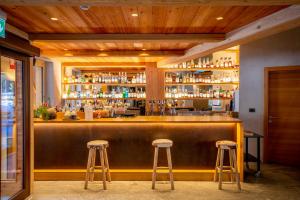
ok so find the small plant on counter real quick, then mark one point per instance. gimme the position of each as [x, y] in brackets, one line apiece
[44, 112]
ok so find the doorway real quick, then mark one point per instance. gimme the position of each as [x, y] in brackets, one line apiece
[282, 115]
[15, 116]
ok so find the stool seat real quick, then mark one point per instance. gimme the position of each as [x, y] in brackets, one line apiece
[97, 143]
[162, 143]
[225, 144]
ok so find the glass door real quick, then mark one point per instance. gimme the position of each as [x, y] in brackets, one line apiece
[13, 176]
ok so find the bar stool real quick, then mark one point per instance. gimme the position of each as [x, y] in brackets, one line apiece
[167, 144]
[231, 147]
[93, 146]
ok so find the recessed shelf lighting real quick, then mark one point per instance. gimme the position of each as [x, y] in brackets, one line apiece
[134, 14]
[219, 18]
[68, 54]
[54, 18]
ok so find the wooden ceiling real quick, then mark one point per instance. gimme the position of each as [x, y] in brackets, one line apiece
[150, 19]
[158, 19]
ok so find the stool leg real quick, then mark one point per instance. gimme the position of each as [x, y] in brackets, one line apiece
[154, 167]
[107, 164]
[217, 164]
[231, 164]
[221, 169]
[237, 176]
[93, 160]
[103, 167]
[170, 167]
[87, 174]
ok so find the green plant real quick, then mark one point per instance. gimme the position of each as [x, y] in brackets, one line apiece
[42, 111]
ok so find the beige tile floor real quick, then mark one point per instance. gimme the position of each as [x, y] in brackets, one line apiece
[276, 183]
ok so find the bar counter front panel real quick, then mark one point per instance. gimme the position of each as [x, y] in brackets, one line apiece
[61, 145]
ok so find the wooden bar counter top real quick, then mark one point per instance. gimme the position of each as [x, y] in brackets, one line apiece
[61, 151]
[150, 119]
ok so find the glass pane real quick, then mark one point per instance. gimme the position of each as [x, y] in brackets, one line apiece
[11, 127]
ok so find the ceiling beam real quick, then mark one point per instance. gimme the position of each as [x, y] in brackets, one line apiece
[103, 64]
[148, 2]
[80, 37]
[280, 21]
[123, 53]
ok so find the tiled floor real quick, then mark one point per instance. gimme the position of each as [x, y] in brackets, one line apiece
[276, 183]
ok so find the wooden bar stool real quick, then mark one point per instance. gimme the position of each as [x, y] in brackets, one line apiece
[93, 146]
[167, 144]
[231, 147]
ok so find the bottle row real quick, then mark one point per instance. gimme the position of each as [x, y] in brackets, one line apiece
[120, 77]
[198, 93]
[207, 62]
[190, 77]
[115, 93]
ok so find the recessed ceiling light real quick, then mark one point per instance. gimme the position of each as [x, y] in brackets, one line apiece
[219, 18]
[102, 54]
[53, 18]
[65, 49]
[144, 49]
[134, 14]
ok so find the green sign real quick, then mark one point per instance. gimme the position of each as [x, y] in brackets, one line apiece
[2, 28]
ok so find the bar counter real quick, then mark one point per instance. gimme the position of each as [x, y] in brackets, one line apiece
[63, 143]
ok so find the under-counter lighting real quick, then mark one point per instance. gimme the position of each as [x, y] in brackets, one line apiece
[134, 14]
[68, 54]
[102, 54]
[54, 18]
[219, 18]
[144, 54]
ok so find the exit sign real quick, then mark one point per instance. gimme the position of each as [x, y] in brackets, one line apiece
[2, 28]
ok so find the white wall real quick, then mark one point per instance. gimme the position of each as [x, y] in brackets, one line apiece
[282, 49]
[53, 82]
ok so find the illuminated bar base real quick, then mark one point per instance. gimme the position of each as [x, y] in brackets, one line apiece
[61, 152]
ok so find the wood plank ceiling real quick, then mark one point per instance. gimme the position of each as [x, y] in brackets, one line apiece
[118, 19]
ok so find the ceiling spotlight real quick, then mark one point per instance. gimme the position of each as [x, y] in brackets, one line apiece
[134, 14]
[53, 18]
[84, 7]
[219, 18]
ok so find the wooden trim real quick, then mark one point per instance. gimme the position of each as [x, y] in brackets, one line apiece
[148, 2]
[18, 44]
[267, 71]
[143, 37]
[119, 53]
[103, 64]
